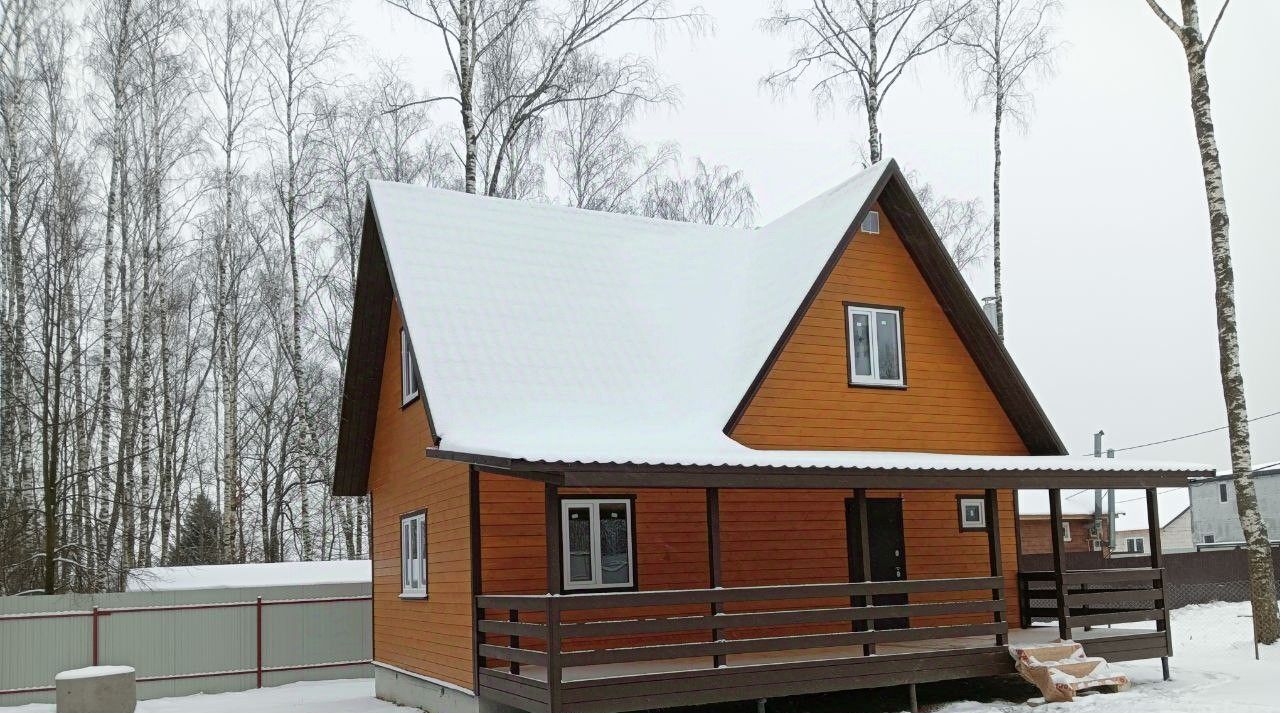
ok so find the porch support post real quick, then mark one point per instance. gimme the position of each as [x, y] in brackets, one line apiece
[863, 573]
[477, 578]
[1157, 562]
[992, 503]
[551, 516]
[714, 574]
[1059, 561]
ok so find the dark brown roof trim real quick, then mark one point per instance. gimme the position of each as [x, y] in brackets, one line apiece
[966, 315]
[809, 297]
[906, 214]
[579, 474]
[366, 351]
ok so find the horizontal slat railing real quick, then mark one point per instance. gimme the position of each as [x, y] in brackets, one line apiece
[1096, 597]
[1106, 576]
[723, 647]
[594, 618]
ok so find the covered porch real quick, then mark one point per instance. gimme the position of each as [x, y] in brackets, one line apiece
[649, 648]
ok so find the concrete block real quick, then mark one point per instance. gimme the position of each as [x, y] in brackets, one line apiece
[97, 689]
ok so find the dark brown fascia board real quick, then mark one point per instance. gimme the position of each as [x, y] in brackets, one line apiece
[367, 344]
[904, 211]
[362, 376]
[970, 322]
[810, 296]
[631, 475]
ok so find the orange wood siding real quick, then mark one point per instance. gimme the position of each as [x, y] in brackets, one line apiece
[671, 547]
[805, 402]
[431, 637]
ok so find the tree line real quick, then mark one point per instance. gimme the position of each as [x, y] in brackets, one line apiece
[183, 191]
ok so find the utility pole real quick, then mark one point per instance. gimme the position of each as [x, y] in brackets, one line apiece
[1111, 510]
[1097, 493]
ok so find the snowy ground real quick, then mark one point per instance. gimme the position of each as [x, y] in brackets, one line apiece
[1213, 672]
[353, 695]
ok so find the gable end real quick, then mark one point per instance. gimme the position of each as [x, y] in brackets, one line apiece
[933, 262]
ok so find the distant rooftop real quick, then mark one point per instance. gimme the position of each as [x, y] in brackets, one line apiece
[240, 576]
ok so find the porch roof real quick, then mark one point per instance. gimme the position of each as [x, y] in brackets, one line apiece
[732, 465]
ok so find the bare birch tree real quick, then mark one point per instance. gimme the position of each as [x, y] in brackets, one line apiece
[1002, 45]
[535, 52]
[857, 50]
[1195, 48]
[714, 195]
[228, 47]
[964, 226]
[598, 165]
[298, 52]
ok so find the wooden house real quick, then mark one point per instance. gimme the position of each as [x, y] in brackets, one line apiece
[619, 463]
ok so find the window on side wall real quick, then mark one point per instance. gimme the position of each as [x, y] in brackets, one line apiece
[1135, 545]
[1066, 532]
[875, 346]
[598, 539]
[413, 555]
[1223, 493]
[408, 374]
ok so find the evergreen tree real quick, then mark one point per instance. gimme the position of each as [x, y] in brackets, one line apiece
[198, 543]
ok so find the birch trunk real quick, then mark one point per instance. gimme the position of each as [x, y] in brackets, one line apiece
[996, 260]
[466, 80]
[1262, 584]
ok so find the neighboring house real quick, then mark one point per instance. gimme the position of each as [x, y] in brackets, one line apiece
[1215, 523]
[1085, 531]
[1081, 531]
[1133, 539]
[619, 463]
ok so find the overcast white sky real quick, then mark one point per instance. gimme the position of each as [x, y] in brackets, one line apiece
[1109, 289]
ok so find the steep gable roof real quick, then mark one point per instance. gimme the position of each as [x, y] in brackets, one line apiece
[551, 333]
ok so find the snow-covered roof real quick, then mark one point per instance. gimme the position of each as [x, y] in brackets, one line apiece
[234, 576]
[663, 347]
[547, 333]
[1271, 468]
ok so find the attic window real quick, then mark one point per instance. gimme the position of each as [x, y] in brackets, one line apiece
[408, 374]
[871, 223]
[875, 345]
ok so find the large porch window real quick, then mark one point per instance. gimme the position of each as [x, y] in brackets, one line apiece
[598, 543]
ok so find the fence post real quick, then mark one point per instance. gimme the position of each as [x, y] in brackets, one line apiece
[553, 654]
[258, 607]
[95, 636]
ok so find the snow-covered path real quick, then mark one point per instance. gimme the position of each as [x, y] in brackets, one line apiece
[1213, 672]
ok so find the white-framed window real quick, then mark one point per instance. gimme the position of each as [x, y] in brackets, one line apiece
[598, 542]
[1224, 494]
[413, 555]
[1135, 545]
[875, 345]
[973, 513]
[1066, 532]
[871, 223]
[408, 374]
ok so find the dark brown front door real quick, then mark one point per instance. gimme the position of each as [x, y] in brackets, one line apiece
[888, 550]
